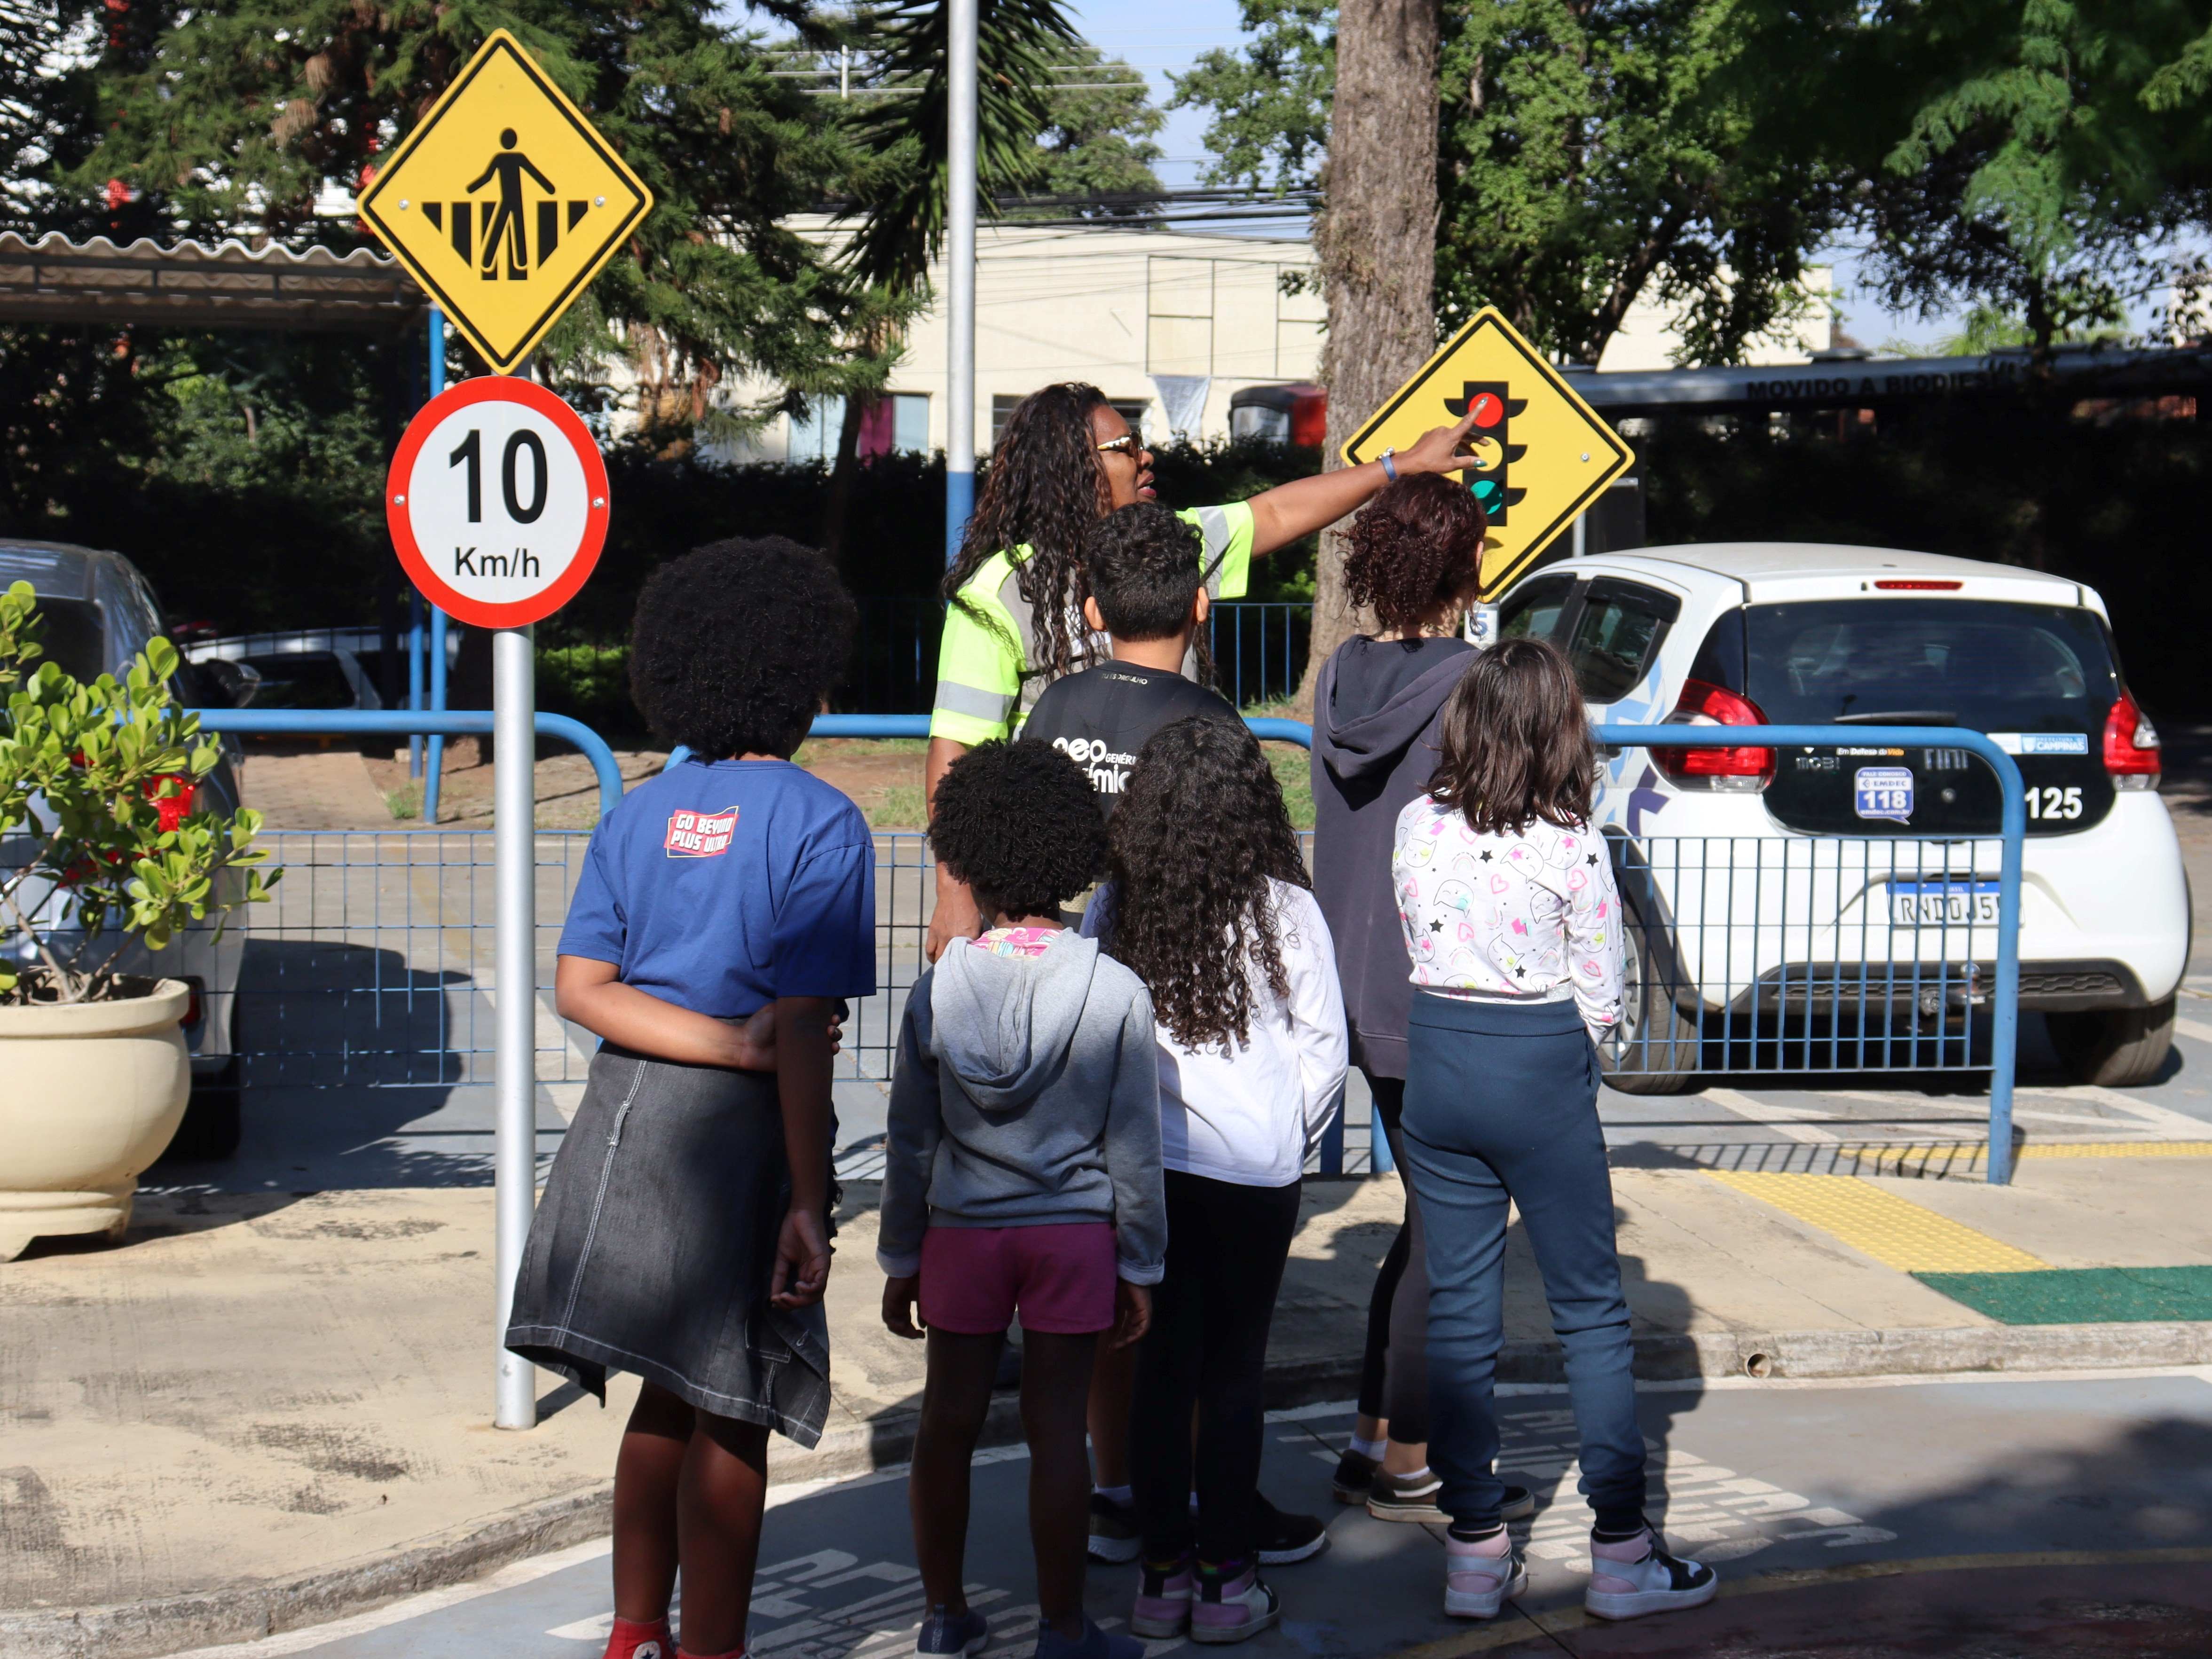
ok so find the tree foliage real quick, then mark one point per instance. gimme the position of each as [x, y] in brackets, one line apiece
[1269, 99]
[2032, 156]
[1099, 135]
[901, 136]
[252, 117]
[1592, 152]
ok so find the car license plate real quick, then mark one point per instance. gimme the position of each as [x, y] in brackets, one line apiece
[1943, 903]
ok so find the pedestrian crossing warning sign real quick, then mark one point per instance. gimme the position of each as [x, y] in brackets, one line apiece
[1538, 455]
[504, 202]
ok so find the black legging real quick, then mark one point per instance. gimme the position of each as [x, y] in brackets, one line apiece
[1208, 1347]
[1394, 1377]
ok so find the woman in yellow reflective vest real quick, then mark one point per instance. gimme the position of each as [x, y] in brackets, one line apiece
[1011, 623]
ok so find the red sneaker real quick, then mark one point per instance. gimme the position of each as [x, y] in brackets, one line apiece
[634, 1641]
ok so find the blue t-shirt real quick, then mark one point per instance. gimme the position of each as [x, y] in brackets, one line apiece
[719, 887]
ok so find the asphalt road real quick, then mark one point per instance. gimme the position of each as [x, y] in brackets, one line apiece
[2053, 1515]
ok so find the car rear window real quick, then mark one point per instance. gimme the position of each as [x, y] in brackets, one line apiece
[1980, 664]
[302, 679]
[74, 638]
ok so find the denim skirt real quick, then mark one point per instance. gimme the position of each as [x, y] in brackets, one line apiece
[653, 1246]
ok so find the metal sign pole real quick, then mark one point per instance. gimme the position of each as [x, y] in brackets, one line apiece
[433, 768]
[960, 275]
[514, 695]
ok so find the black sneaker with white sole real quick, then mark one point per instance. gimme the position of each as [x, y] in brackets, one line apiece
[1287, 1538]
[1114, 1535]
[1656, 1581]
[1355, 1476]
[1412, 1498]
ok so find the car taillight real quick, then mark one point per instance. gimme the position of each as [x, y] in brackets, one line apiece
[2131, 749]
[1704, 704]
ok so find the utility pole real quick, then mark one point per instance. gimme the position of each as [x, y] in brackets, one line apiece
[960, 275]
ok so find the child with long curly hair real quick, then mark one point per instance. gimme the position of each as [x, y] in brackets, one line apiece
[1208, 902]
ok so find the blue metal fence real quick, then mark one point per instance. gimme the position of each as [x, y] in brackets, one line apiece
[1259, 650]
[1769, 954]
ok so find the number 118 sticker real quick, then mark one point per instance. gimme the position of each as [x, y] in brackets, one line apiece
[497, 501]
[1883, 792]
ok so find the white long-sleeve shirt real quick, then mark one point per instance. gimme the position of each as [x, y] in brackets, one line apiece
[1248, 1115]
[1534, 915]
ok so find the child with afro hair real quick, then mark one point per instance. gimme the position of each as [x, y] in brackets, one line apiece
[1022, 1174]
[723, 910]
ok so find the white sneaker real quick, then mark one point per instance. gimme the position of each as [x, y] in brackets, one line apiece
[1477, 1583]
[1631, 1579]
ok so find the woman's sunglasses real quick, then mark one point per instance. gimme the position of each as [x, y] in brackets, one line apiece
[1128, 444]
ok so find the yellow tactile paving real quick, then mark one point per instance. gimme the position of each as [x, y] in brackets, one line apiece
[1878, 1222]
[2119, 1149]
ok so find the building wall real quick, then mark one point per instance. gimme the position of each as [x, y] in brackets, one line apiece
[1114, 307]
[1117, 308]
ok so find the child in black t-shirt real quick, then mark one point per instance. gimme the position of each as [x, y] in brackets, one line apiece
[1148, 597]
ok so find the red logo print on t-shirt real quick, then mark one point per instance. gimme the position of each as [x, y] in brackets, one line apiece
[700, 835]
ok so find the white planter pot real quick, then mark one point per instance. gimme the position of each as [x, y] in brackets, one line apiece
[90, 1093]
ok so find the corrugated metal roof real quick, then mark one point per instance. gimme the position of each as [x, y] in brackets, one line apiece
[192, 285]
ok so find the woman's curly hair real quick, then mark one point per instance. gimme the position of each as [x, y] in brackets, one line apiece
[1416, 550]
[736, 643]
[1200, 831]
[1020, 823]
[1045, 487]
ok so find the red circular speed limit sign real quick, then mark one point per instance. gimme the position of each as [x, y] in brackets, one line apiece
[497, 501]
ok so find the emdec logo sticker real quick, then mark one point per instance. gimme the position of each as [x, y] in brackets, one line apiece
[1883, 792]
[700, 835]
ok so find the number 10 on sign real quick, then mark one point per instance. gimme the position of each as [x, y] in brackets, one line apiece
[497, 501]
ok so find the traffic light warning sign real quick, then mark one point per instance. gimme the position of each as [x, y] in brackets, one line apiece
[1541, 455]
[504, 202]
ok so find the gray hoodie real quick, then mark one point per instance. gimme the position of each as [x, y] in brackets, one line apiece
[1374, 748]
[1026, 1094]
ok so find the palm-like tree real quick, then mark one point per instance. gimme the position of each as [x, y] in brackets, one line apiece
[901, 131]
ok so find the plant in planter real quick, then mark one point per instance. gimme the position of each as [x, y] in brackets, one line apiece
[101, 845]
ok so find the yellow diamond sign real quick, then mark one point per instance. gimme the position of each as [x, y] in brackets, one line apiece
[504, 202]
[1541, 455]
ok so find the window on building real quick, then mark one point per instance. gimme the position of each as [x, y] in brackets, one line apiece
[1132, 409]
[900, 422]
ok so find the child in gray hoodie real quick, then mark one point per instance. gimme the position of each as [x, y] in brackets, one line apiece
[1022, 1174]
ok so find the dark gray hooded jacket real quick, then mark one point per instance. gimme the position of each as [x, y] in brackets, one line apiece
[1371, 755]
[1027, 1093]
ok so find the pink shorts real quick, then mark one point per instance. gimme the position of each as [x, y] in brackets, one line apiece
[1060, 1277]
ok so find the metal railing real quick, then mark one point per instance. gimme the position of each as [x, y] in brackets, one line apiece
[400, 723]
[1774, 953]
[1259, 651]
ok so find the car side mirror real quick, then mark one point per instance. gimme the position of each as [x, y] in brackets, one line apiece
[240, 682]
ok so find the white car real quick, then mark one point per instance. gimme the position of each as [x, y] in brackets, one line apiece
[1822, 908]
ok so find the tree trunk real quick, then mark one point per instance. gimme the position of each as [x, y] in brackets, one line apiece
[844, 474]
[1376, 238]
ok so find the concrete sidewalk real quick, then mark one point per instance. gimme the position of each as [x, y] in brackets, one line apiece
[263, 1410]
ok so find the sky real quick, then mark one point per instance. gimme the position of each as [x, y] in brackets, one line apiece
[1156, 36]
